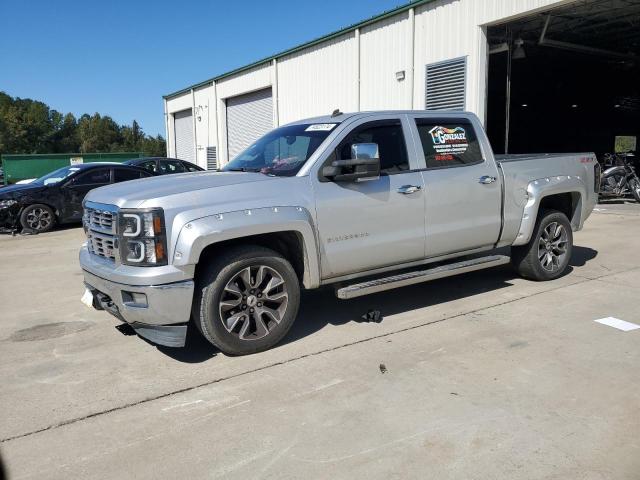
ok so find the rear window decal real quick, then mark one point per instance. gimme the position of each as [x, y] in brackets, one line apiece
[448, 142]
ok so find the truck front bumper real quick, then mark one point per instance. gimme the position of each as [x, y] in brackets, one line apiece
[158, 312]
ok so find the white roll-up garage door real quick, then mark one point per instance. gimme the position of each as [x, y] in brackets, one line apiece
[249, 117]
[183, 128]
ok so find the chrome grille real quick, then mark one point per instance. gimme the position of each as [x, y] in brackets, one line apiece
[103, 245]
[100, 220]
[100, 223]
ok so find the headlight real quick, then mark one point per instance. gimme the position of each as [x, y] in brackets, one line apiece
[7, 203]
[142, 237]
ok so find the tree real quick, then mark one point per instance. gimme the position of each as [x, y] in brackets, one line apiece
[29, 126]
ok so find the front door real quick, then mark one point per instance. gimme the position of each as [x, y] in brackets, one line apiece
[462, 186]
[373, 223]
[74, 191]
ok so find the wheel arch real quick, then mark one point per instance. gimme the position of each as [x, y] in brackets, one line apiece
[563, 193]
[287, 230]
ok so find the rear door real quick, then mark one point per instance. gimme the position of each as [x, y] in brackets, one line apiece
[126, 174]
[377, 222]
[462, 187]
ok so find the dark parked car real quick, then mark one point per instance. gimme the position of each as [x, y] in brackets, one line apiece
[163, 165]
[57, 197]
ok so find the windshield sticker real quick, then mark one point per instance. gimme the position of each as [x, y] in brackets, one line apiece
[448, 142]
[320, 127]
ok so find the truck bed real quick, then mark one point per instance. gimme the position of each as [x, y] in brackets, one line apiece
[538, 156]
[518, 171]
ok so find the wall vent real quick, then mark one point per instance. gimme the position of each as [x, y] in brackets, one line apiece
[445, 87]
[212, 158]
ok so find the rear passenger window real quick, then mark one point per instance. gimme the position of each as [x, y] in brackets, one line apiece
[391, 145]
[448, 143]
[122, 175]
[149, 166]
[171, 166]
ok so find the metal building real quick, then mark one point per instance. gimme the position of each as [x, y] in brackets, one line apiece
[478, 55]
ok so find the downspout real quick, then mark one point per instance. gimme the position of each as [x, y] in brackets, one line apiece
[276, 96]
[166, 127]
[193, 120]
[215, 110]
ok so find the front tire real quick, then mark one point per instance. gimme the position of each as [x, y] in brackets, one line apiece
[246, 300]
[547, 255]
[37, 218]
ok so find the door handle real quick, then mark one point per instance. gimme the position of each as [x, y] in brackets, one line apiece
[486, 179]
[409, 189]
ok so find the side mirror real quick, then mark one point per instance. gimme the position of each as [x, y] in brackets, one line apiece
[363, 165]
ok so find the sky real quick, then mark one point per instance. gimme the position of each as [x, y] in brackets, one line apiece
[119, 58]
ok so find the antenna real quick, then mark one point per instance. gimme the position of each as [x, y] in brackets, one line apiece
[336, 112]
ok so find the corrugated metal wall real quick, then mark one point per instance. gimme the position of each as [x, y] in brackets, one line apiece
[385, 49]
[318, 80]
[357, 71]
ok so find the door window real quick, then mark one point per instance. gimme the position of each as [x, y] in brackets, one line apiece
[149, 165]
[391, 144]
[171, 166]
[93, 177]
[124, 174]
[190, 167]
[448, 143]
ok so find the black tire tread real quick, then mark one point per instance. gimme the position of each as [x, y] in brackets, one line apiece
[23, 222]
[209, 280]
[525, 258]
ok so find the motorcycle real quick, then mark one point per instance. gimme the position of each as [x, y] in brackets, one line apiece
[620, 179]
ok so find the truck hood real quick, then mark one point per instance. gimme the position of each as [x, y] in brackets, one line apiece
[134, 193]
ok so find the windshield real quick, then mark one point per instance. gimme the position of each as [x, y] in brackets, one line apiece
[282, 151]
[56, 176]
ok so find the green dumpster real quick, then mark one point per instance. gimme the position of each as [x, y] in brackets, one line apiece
[22, 167]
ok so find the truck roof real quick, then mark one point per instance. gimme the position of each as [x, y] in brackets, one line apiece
[341, 117]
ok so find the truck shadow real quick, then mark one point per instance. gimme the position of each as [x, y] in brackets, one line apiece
[319, 308]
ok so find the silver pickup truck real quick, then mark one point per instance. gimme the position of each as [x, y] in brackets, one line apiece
[365, 202]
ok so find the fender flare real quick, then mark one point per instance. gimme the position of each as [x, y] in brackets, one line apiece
[200, 233]
[545, 187]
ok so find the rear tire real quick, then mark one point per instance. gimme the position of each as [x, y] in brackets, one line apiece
[37, 218]
[547, 255]
[246, 300]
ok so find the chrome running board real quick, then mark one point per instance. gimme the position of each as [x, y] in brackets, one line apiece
[410, 278]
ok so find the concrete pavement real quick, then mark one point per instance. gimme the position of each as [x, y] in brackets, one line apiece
[485, 376]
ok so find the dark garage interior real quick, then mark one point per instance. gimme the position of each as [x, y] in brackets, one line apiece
[566, 80]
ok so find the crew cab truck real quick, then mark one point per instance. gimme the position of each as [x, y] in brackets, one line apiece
[364, 201]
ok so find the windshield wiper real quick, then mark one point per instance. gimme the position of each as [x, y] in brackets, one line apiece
[243, 169]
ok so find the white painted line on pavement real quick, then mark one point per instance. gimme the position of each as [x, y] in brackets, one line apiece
[617, 323]
[181, 405]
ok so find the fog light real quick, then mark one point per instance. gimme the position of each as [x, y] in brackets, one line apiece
[134, 299]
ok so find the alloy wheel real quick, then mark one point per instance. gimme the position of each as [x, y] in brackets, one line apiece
[39, 219]
[253, 302]
[552, 247]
